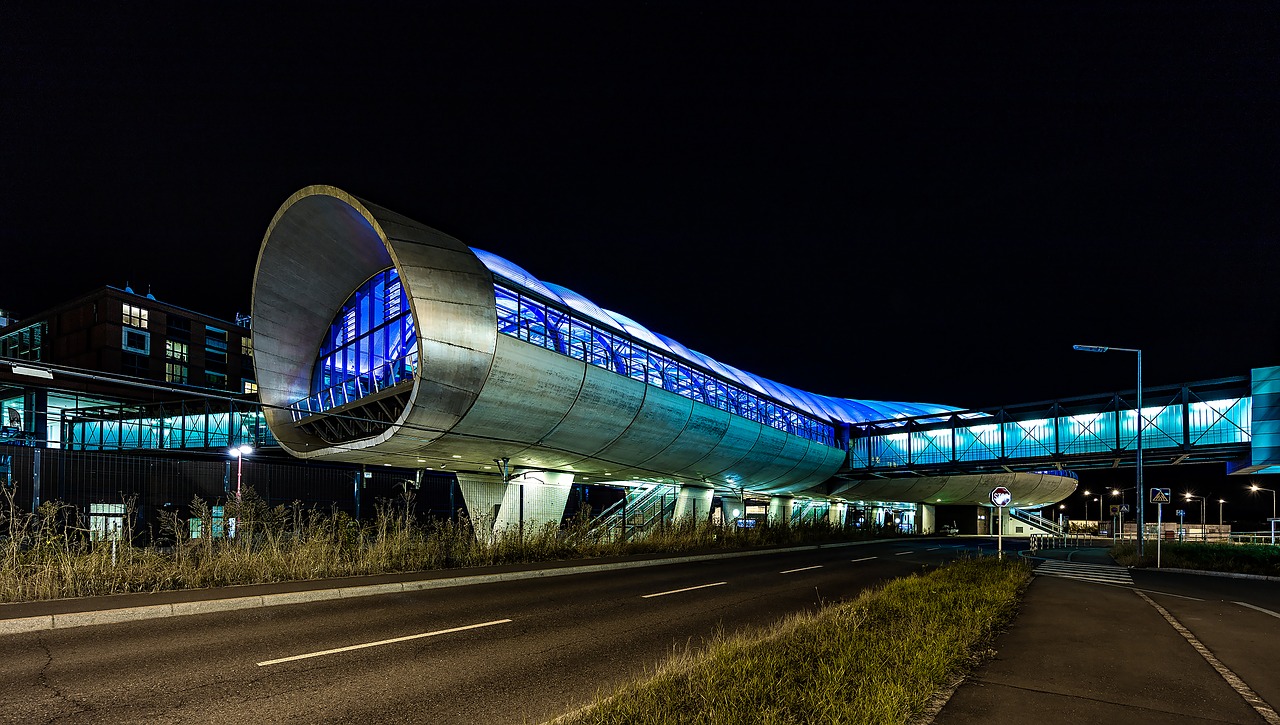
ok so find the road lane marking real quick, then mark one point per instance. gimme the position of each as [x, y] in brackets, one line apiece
[1260, 609]
[381, 642]
[865, 558]
[1257, 703]
[934, 548]
[686, 589]
[803, 568]
[900, 553]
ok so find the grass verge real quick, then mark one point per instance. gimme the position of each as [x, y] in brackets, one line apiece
[51, 553]
[878, 659]
[1260, 559]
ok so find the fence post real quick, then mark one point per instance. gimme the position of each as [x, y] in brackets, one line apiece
[35, 480]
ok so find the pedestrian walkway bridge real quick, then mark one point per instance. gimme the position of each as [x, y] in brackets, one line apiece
[1192, 423]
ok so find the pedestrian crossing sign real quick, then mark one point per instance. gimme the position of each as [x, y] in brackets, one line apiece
[1160, 495]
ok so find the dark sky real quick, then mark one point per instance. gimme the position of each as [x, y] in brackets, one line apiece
[896, 200]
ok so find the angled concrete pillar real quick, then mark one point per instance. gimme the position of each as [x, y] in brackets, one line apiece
[926, 519]
[483, 497]
[780, 510]
[544, 494]
[730, 503]
[694, 502]
[532, 500]
[837, 513]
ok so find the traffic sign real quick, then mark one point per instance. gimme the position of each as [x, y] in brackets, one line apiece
[1000, 496]
[1115, 509]
[1160, 495]
[1124, 508]
[1181, 512]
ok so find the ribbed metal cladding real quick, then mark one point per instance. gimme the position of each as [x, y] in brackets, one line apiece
[321, 245]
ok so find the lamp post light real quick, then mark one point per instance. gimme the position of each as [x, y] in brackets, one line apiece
[1190, 498]
[238, 453]
[1140, 497]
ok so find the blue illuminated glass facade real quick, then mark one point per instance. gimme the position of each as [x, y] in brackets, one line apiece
[370, 346]
[538, 322]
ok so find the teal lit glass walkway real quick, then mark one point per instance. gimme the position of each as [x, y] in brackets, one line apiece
[1193, 423]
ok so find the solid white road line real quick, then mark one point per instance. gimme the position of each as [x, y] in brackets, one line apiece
[1260, 609]
[806, 568]
[380, 642]
[686, 589]
[865, 558]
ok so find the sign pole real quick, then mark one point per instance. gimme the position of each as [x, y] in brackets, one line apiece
[1000, 497]
[1000, 532]
[1159, 530]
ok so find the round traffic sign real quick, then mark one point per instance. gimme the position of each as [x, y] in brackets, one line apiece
[1000, 496]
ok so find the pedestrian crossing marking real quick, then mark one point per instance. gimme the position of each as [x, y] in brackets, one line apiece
[1098, 573]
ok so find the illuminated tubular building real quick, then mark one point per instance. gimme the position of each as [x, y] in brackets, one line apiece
[380, 340]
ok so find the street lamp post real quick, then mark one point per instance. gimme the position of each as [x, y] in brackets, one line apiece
[1220, 502]
[1256, 488]
[238, 453]
[1140, 497]
[1189, 497]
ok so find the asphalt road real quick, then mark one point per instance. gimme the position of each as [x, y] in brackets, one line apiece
[504, 652]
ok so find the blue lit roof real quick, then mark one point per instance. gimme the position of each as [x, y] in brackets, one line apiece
[820, 406]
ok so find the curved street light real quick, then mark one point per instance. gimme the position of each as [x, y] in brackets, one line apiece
[1104, 348]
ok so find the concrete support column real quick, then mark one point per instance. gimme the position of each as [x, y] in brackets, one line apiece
[728, 504]
[837, 513]
[694, 502]
[483, 498]
[926, 518]
[545, 495]
[531, 501]
[780, 510]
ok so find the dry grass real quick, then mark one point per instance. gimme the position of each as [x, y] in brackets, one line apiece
[51, 554]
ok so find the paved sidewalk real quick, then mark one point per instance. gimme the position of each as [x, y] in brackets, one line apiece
[1087, 652]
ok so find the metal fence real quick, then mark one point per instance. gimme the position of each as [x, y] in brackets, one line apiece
[156, 483]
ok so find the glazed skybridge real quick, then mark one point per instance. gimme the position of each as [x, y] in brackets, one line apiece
[1192, 423]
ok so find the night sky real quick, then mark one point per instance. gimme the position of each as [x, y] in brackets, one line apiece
[900, 200]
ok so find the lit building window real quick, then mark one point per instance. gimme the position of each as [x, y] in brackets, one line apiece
[176, 350]
[134, 317]
[175, 372]
[250, 387]
[246, 345]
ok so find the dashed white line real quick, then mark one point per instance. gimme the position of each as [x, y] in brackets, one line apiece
[381, 642]
[934, 548]
[900, 553]
[865, 558]
[804, 568]
[686, 589]
[1260, 609]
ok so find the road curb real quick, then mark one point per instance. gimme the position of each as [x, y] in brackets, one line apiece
[19, 625]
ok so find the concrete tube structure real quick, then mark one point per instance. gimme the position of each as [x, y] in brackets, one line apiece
[380, 340]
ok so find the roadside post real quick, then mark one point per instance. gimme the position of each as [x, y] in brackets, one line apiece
[1000, 497]
[1160, 497]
